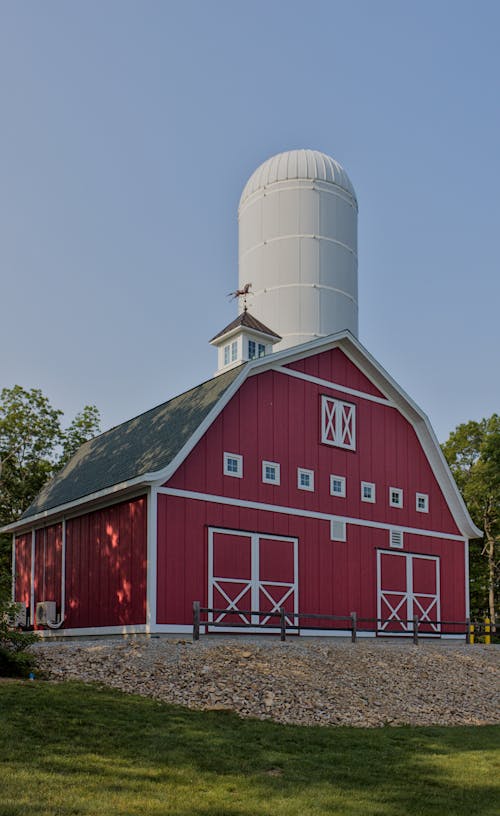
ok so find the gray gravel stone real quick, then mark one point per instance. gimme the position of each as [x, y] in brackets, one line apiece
[308, 682]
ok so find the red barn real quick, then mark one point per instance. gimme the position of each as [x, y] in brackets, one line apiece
[302, 478]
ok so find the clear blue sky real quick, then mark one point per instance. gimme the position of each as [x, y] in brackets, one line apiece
[128, 130]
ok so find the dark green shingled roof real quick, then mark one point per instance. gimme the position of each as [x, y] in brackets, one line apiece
[145, 444]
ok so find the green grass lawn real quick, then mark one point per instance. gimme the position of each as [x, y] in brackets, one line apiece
[68, 749]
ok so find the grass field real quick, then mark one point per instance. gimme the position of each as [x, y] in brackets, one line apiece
[70, 749]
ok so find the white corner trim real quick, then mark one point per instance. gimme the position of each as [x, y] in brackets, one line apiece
[32, 579]
[295, 511]
[466, 572]
[63, 569]
[13, 579]
[151, 558]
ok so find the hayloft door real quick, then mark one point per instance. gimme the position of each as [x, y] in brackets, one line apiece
[250, 576]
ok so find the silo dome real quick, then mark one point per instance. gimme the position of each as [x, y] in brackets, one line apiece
[298, 246]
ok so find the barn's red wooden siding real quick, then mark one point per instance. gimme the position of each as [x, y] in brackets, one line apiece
[22, 569]
[334, 366]
[106, 566]
[48, 550]
[334, 577]
[276, 418]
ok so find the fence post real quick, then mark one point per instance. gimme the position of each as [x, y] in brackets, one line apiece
[472, 634]
[354, 632]
[282, 624]
[196, 620]
[415, 628]
[487, 630]
[467, 630]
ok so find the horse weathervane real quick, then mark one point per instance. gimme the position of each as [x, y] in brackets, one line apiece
[243, 292]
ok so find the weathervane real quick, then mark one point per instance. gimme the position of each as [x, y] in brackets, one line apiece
[241, 293]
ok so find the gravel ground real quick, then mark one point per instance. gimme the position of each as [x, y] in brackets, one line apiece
[308, 682]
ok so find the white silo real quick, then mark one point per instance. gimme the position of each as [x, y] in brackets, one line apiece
[298, 246]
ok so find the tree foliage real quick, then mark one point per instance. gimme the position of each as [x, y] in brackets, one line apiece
[33, 445]
[473, 453]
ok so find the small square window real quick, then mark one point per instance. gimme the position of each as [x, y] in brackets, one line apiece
[251, 349]
[395, 497]
[338, 530]
[262, 349]
[227, 353]
[270, 473]
[234, 351]
[233, 465]
[337, 486]
[422, 503]
[368, 492]
[305, 479]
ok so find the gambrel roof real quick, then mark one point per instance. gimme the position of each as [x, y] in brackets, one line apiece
[148, 449]
[133, 449]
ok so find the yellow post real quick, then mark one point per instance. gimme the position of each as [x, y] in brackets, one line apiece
[471, 640]
[487, 630]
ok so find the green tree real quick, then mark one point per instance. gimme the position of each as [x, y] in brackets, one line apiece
[85, 425]
[473, 453]
[33, 447]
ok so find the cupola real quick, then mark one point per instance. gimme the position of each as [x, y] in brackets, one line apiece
[245, 338]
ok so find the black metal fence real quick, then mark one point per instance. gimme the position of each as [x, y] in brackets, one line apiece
[203, 617]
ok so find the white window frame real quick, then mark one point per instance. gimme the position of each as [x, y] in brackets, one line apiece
[261, 350]
[342, 493]
[252, 356]
[305, 472]
[265, 478]
[338, 423]
[399, 492]
[371, 499]
[234, 351]
[227, 354]
[338, 530]
[239, 460]
[425, 498]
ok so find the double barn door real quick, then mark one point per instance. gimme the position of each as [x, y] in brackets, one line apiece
[408, 585]
[252, 573]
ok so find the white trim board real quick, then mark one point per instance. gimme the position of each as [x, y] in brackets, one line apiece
[138, 629]
[291, 372]
[151, 559]
[295, 511]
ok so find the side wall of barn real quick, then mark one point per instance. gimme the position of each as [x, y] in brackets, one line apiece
[104, 567]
